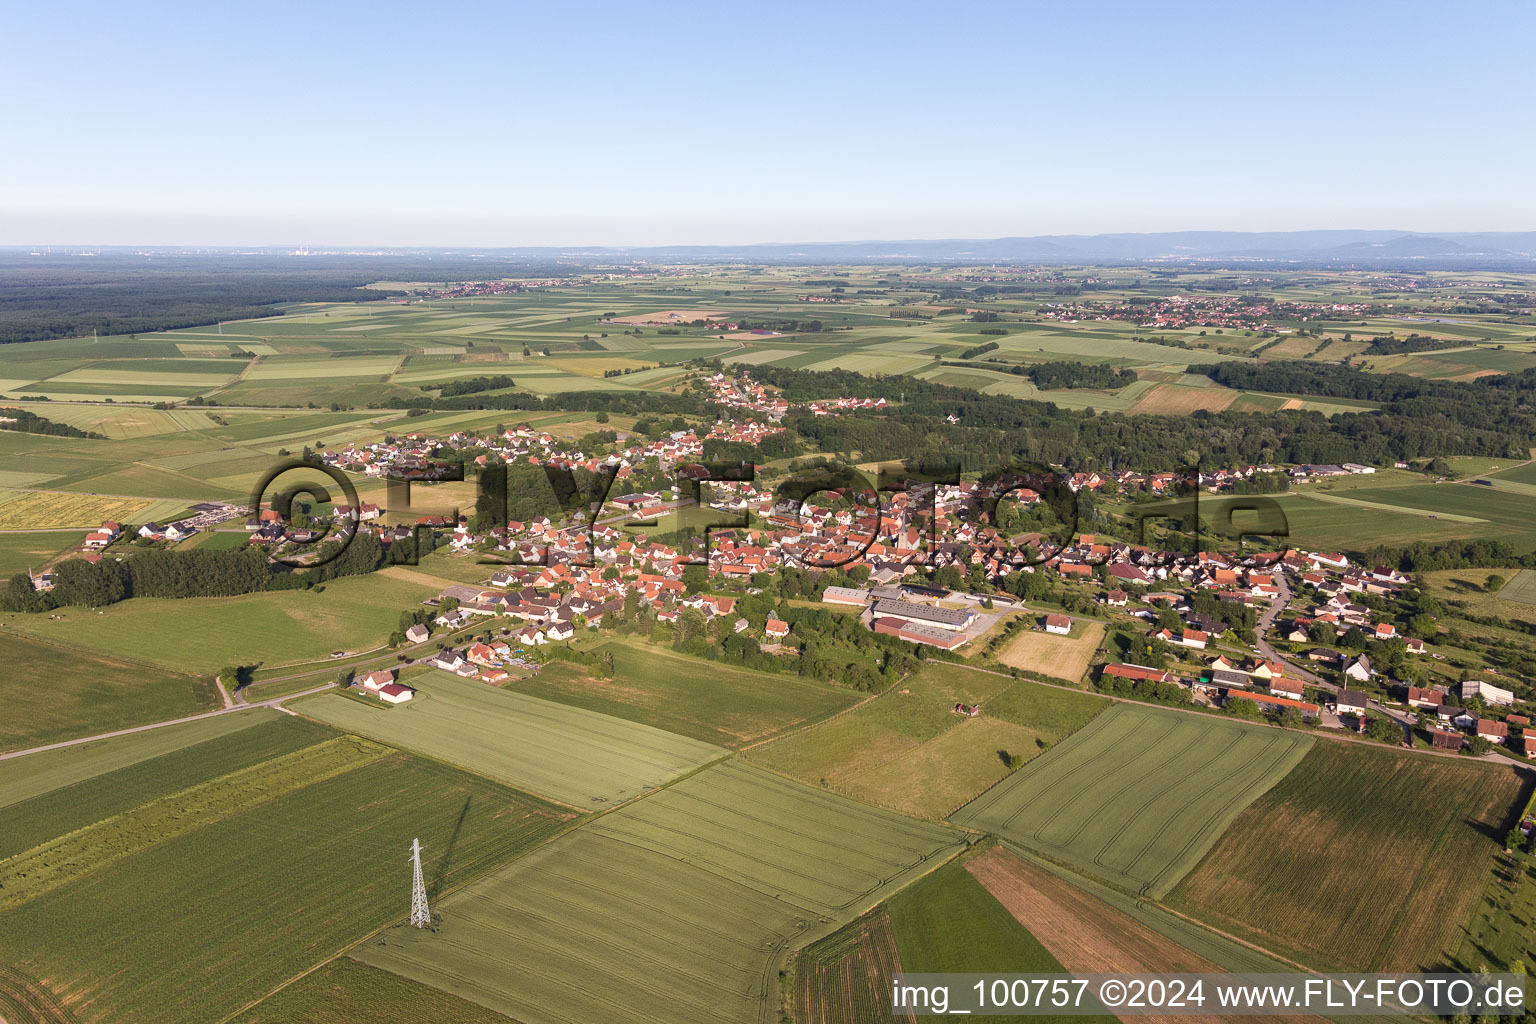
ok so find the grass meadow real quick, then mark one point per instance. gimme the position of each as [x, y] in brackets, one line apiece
[204, 634]
[718, 704]
[909, 751]
[54, 691]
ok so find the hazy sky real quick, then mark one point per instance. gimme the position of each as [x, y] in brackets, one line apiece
[596, 123]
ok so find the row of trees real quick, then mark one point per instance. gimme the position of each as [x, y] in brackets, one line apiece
[27, 422]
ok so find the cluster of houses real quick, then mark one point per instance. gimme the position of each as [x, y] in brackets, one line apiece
[1184, 311]
[741, 392]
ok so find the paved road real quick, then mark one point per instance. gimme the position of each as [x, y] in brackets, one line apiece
[1267, 619]
[273, 703]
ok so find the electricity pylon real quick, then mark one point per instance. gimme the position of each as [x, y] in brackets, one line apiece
[421, 917]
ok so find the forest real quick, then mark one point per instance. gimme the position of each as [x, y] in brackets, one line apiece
[66, 296]
[1419, 419]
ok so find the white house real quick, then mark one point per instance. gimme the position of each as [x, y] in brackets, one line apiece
[394, 693]
[1061, 625]
[418, 634]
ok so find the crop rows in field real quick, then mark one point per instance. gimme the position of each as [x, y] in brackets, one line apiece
[557, 751]
[195, 927]
[31, 822]
[62, 859]
[26, 778]
[675, 907]
[1361, 859]
[35, 510]
[1138, 796]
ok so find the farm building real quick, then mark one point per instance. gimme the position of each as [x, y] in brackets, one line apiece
[394, 693]
[928, 615]
[917, 633]
[1270, 700]
[1139, 673]
[1444, 739]
[845, 595]
[1487, 693]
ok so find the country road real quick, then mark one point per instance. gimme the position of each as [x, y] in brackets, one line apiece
[273, 703]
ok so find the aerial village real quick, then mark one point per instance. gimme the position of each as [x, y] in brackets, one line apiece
[1296, 636]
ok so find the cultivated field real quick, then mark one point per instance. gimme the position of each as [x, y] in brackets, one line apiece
[909, 751]
[1302, 870]
[41, 510]
[564, 753]
[1087, 936]
[718, 704]
[23, 778]
[345, 991]
[1521, 588]
[56, 862]
[1062, 657]
[677, 907]
[63, 809]
[845, 978]
[246, 901]
[1139, 795]
[53, 692]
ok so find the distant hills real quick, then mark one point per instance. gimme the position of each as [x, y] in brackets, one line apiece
[1515, 250]
[1306, 247]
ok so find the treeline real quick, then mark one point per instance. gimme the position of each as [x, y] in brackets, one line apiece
[68, 296]
[1499, 421]
[30, 423]
[976, 350]
[473, 385]
[782, 325]
[192, 573]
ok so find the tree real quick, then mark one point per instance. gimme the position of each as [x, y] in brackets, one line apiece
[1494, 584]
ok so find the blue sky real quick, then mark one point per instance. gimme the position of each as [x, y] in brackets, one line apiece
[507, 124]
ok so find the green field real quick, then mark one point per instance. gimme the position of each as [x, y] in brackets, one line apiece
[30, 552]
[195, 927]
[719, 704]
[204, 634]
[565, 753]
[909, 751]
[1521, 588]
[22, 778]
[345, 991]
[61, 809]
[1139, 795]
[1304, 871]
[53, 692]
[945, 923]
[677, 907]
